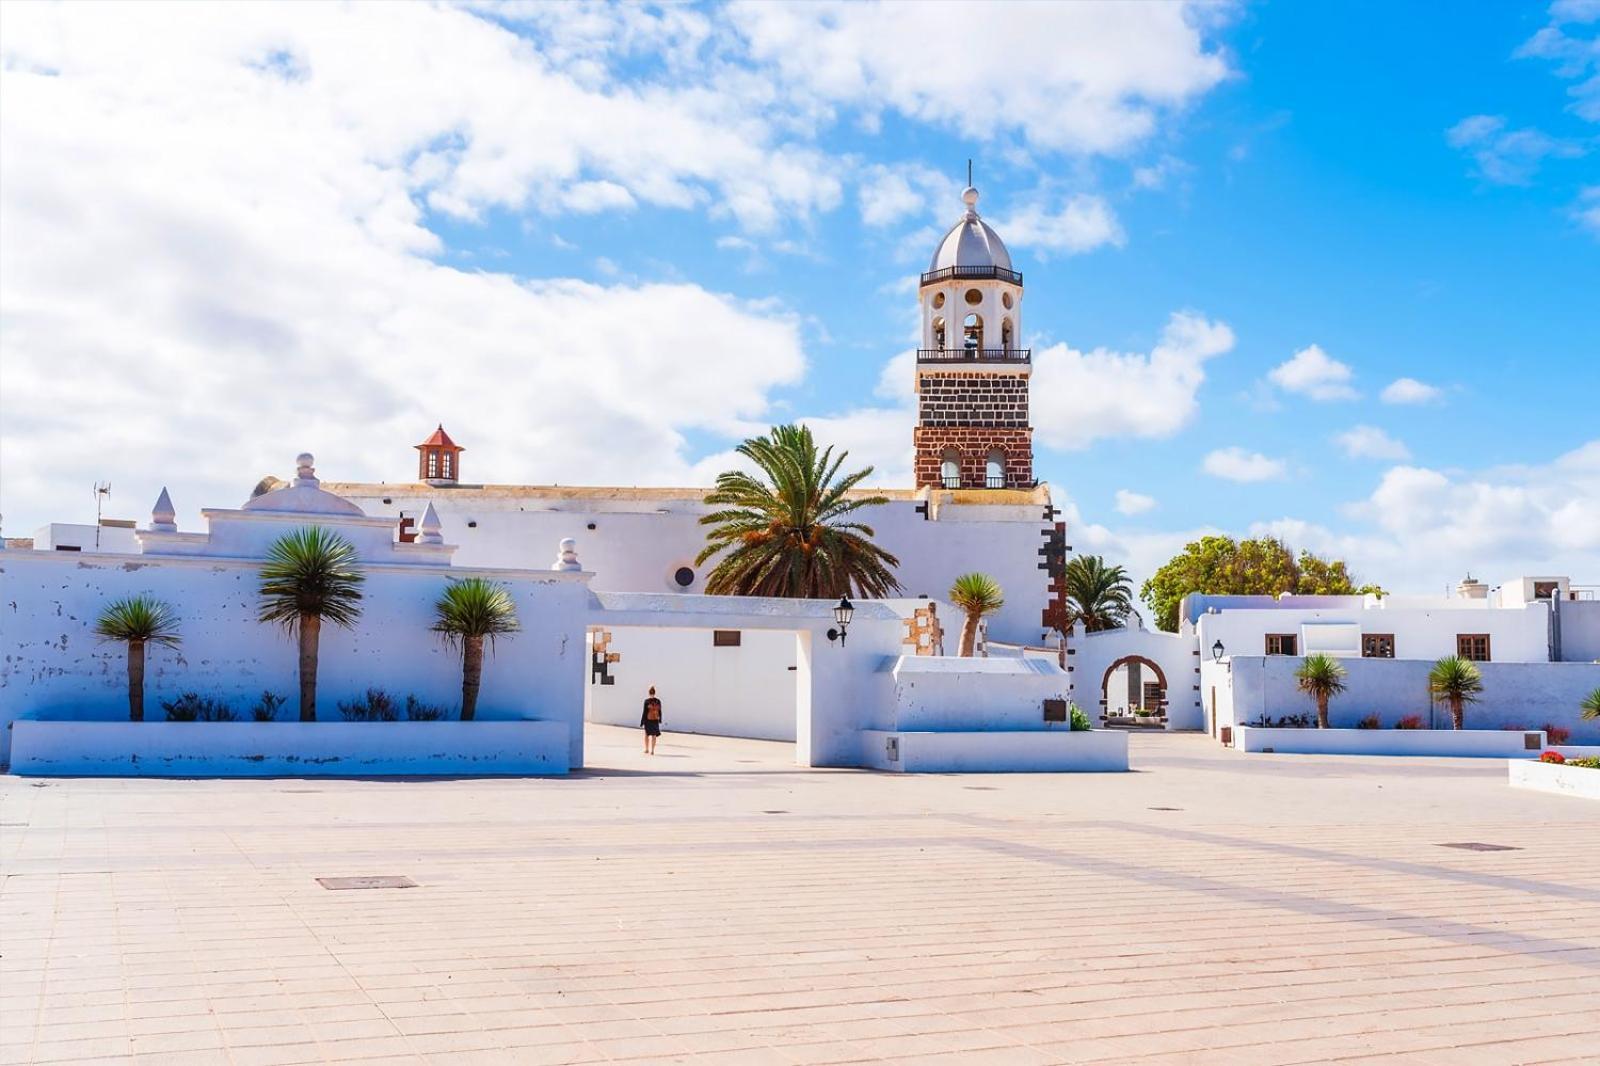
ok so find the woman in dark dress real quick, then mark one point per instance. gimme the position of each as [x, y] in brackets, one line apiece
[651, 720]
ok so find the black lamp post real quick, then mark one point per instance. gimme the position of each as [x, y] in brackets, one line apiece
[843, 611]
[1216, 652]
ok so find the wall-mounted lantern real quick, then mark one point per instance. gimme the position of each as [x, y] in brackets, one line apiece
[1216, 652]
[842, 613]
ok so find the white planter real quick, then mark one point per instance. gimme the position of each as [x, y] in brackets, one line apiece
[1468, 743]
[287, 749]
[1554, 777]
[1015, 751]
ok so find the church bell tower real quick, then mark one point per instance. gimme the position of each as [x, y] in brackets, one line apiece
[972, 379]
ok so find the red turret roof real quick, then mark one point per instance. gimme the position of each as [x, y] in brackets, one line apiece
[441, 439]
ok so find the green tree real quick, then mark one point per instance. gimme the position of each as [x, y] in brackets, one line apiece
[1321, 677]
[1591, 705]
[311, 575]
[137, 621]
[1262, 566]
[1457, 682]
[787, 531]
[974, 595]
[468, 613]
[1098, 596]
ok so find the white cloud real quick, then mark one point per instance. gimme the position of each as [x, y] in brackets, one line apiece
[1080, 77]
[1409, 391]
[1506, 156]
[1370, 442]
[1080, 224]
[1132, 503]
[891, 193]
[1576, 53]
[1312, 372]
[1236, 464]
[1587, 211]
[1079, 397]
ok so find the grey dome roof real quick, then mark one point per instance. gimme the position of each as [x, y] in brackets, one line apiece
[303, 495]
[972, 242]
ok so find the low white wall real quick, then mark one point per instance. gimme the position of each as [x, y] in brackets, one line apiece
[946, 693]
[1055, 751]
[1475, 743]
[1553, 777]
[1090, 655]
[743, 691]
[287, 749]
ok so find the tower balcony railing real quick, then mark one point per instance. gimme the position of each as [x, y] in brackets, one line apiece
[974, 273]
[974, 355]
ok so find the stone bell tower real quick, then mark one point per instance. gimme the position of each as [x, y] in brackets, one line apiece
[972, 379]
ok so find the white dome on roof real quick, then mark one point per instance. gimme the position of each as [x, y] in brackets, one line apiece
[303, 495]
[972, 242]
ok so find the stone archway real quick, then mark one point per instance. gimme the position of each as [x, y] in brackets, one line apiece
[1142, 698]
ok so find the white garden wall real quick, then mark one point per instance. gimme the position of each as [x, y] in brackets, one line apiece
[1465, 743]
[1090, 655]
[1578, 781]
[945, 693]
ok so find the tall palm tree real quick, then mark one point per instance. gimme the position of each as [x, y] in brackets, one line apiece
[975, 595]
[311, 575]
[1457, 682]
[1591, 705]
[468, 613]
[137, 621]
[787, 531]
[1321, 677]
[1098, 596]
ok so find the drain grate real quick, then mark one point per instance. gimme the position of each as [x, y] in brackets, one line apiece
[339, 884]
[980, 788]
[774, 812]
[1163, 808]
[1473, 845]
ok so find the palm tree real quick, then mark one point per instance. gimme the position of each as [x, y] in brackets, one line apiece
[975, 595]
[1098, 595]
[467, 613]
[137, 621]
[786, 532]
[1591, 705]
[1458, 682]
[310, 575]
[1321, 677]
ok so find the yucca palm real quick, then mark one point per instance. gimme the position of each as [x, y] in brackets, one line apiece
[1591, 705]
[787, 531]
[468, 613]
[1321, 677]
[1457, 682]
[137, 621]
[974, 595]
[311, 575]
[1098, 596]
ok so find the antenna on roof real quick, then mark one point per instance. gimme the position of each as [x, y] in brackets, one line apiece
[102, 489]
[969, 173]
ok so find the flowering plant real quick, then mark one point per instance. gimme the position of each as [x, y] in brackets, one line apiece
[1552, 756]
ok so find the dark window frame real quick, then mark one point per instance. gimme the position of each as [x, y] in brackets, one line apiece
[1287, 644]
[1377, 645]
[726, 638]
[1467, 647]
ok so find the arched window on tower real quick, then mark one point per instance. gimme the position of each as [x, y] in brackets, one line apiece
[1005, 334]
[950, 470]
[994, 470]
[938, 332]
[972, 333]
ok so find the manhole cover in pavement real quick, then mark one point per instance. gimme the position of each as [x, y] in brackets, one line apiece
[1473, 845]
[1163, 808]
[340, 883]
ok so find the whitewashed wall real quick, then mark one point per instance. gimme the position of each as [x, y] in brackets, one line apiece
[1089, 655]
[52, 665]
[1580, 631]
[1516, 634]
[949, 694]
[744, 691]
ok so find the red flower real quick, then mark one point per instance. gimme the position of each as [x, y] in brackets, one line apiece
[1552, 756]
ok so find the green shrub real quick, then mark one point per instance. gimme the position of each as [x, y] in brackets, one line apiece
[417, 711]
[1369, 722]
[376, 706]
[266, 708]
[1588, 762]
[1080, 720]
[193, 707]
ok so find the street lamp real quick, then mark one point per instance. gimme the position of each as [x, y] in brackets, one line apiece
[843, 611]
[1216, 652]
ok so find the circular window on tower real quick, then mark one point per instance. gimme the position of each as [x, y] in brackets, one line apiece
[974, 297]
[683, 577]
[1005, 298]
[938, 299]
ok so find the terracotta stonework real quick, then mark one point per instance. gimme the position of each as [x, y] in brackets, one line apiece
[973, 444]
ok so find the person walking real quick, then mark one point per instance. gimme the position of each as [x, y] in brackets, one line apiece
[651, 720]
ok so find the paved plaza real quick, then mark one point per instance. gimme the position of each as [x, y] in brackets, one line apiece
[717, 904]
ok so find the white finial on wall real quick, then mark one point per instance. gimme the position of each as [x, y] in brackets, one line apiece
[305, 471]
[163, 516]
[568, 559]
[431, 529]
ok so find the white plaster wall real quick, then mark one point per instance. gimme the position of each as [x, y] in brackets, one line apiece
[51, 664]
[1516, 634]
[1089, 655]
[56, 535]
[1449, 743]
[1580, 631]
[945, 693]
[747, 691]
[1519, 695]
[1099, 750]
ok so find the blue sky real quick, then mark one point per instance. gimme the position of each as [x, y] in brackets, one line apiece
[600, 244]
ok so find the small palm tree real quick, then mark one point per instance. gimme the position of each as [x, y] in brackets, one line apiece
[1591, 705]
[1098, 596]
[975, 595]
[137, 621]
[310, 575]
[467, 613]
[788, 532]
[1457, 682]
[1321, 677]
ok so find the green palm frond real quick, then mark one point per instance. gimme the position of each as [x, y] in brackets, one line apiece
[474, 607]
[788, 531]
[138, 618]
[977, 595]
[311, 571]
[1591, 705]
[1320, 675]
[1098, 596]
[1455, 679]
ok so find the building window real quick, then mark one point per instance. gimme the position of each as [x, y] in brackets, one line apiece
[1377, 645]
[1545, 590]
[950, 471]
[445, 460]
[974, 297]
[1281, 644]
[724, 638]
[1005, 334]
[1474, 646]
[972, 332]
[683, 577]
[994, 471]
[938, 333]
[433, 463]
[938, 300]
